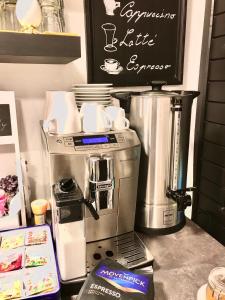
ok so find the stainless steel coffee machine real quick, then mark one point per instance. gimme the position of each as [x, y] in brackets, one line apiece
[162, 122]
[93, 179]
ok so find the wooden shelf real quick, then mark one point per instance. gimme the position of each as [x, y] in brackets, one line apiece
[16, 47]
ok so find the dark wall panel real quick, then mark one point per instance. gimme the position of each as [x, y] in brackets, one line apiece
[210, 202]
[213, 173]
[214, 153]
[213, 191]
[219, 7]
[215, 112]
[218, 48]
[217, 69]
[212, 208]
[216, 91]
[204, 219]
[218, 230]
[215, 133]
[211, 225]
[218, 25]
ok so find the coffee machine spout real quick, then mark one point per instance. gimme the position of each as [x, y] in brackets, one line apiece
[101, 182]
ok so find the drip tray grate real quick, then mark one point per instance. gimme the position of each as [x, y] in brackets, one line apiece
[127, 249]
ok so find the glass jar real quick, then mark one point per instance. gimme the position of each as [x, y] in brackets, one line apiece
[8, 19]
[216, 284]
[52, 16]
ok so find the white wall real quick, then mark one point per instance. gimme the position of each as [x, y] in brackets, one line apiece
[31, 81]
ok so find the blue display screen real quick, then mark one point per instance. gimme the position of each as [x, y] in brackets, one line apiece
[95, 140]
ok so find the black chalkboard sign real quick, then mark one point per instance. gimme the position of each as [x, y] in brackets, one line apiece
[135, 42]
[5, 120]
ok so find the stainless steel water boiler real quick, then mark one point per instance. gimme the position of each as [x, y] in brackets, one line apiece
[162, 122]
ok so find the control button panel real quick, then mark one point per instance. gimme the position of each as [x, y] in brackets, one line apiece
[120, 138]
[69, 144]
[96, 147]
[68, 141]
[93, 142]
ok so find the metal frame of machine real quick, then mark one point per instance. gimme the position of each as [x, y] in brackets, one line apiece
[105, 168]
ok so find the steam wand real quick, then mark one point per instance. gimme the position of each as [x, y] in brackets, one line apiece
[91, 208]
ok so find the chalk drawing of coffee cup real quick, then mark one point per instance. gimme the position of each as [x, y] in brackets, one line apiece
[110, 6]
[111, 66]
[3, 124]
[110, 30]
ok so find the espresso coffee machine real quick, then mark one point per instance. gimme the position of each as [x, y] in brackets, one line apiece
[93, 180]
[162, 121]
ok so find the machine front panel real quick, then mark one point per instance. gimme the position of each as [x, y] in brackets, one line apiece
[111, 220]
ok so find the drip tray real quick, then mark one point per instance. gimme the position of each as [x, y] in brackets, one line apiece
[126, 249]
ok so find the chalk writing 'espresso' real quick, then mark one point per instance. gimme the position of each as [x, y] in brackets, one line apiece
[134, 66]
[135, 15]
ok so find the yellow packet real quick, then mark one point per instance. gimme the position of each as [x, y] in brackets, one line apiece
[11, 290]
[12, 242]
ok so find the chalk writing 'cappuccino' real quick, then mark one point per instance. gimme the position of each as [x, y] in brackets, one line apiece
[135, 15]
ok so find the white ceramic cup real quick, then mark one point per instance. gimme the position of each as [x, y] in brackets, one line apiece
[94, 118]
[117, 116]
[62, 115]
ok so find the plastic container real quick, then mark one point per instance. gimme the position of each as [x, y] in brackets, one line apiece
[71, 250]
[39, 209]
[33, 243]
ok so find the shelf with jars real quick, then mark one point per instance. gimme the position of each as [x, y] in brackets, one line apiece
[32, 31]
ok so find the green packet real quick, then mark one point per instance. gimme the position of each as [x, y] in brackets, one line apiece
[36, 256]
[35, 261]
[110, 280]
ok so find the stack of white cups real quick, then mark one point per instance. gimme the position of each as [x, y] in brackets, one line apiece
[96, 118]
[63, 117]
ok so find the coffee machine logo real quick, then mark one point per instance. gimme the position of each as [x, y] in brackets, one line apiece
[104, 186]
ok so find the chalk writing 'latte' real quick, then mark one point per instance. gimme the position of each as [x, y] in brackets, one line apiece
[131, 39]
[135, 15]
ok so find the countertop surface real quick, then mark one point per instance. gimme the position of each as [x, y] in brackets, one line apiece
[183, 261]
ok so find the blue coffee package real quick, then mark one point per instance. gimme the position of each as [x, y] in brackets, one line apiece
[110, 280]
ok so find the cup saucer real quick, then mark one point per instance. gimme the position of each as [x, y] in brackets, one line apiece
[202, 292]
[116, 72]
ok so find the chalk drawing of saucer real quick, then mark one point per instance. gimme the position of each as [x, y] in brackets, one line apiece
[116, 72]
